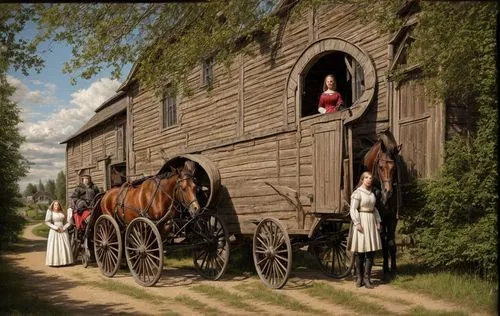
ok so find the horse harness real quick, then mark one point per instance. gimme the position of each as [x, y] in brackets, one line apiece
[145, 212]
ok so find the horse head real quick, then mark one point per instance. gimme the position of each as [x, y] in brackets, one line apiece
[381, 160]
[186, 188]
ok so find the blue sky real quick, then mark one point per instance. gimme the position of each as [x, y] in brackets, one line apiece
[52, 109]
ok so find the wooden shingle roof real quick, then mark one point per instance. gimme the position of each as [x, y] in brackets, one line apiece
[110, 108]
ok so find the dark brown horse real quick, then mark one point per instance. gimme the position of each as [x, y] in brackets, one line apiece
[154, 196]
[381, 160]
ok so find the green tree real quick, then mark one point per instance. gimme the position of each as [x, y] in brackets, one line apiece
[456, 223]
[40, 187]
[114, 34]
[29, 190]
[50, 187]
[13, 53]
[60, 189]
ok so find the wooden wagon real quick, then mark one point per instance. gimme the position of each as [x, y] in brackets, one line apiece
[108, 238]
[274, 216]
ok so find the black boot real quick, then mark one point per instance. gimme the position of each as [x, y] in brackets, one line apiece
[359, 259]
[368, 270]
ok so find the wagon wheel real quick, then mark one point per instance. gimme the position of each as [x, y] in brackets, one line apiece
[329, 245]
[144, 251]
[211, 251]
[75, 243]
[272, 253]
[107, 245]
[87, 255]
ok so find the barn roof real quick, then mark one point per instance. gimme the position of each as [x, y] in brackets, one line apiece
[110, 108]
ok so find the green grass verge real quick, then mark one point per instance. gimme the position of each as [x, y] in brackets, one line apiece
[225, 297]
[420, 311]
[345, 298]
[19, 299]
[41, 230]
[464, 290]
[200, 307]
[260, 292]
[133, 292]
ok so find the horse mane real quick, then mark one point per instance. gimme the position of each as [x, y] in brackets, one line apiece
[389, 142]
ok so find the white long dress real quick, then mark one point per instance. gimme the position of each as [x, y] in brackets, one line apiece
[58, 245]
[364, 212]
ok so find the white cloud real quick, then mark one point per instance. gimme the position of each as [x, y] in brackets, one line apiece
[26, 97]
[42, 146]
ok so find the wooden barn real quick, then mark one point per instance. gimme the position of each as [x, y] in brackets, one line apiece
[98, 147]
[258, 122]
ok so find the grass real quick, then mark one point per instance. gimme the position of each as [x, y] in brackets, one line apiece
[260, 292]
[225, 296]
[345, 298]
[202, 308]
[132, 291]
[464, 290]
[420, 311]
[179, 259]
[19, 299]
[41, 230]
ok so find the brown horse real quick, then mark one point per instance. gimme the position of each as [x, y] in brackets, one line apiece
[154, 196]
[381, 160]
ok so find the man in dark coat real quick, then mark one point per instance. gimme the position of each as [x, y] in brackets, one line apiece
[82, 199]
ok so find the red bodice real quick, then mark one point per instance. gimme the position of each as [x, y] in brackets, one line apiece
[330, 101]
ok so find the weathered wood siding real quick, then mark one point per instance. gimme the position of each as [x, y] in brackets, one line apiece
[241, 126]
[88, 152]
[420, 128]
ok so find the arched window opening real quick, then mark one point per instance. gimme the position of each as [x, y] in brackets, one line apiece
[348, 74]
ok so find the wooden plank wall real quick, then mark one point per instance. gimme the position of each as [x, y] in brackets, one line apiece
[88, 152]
[421, 130]
[248, 99]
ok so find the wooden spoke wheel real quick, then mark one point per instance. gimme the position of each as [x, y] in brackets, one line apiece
[144, 251]
[272, 253]
[107, 245]
[75, 243]
[329, 246]
[211, 247]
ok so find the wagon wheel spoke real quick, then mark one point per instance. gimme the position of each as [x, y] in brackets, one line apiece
[107, 245]
[272, 253]
[144, 251]
[211, 254]
[330, 248]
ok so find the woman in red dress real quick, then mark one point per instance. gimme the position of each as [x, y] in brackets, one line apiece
[330, 100]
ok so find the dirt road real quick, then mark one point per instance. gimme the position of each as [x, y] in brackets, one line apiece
[183, 292]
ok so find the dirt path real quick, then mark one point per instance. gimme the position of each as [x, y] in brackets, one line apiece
[86, 291]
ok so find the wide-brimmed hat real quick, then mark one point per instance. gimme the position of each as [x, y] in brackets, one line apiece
[87, 176]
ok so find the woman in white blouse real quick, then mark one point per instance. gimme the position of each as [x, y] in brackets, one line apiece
[58, 244]
[366, 237]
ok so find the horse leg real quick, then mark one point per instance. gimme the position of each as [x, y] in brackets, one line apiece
[385, 247]
[391, 243]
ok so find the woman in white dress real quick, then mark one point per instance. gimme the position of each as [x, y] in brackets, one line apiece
[58, 244]
[366, 237]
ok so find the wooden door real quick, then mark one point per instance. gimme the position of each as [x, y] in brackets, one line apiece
[419, 128]
[327, 166]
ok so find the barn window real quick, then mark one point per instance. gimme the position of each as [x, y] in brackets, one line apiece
[117, 174]
[120, 143]
[207, 72]
[348, 74]
[169, 109]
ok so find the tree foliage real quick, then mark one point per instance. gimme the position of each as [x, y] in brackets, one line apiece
[114, 34]
[29, 190]
[16, 54]
[60, 190]
[455, 43]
